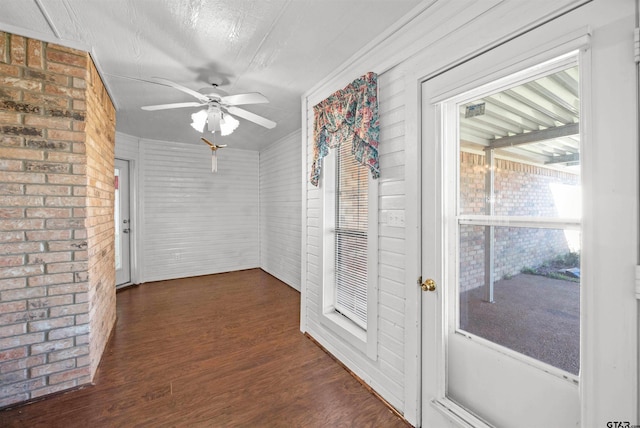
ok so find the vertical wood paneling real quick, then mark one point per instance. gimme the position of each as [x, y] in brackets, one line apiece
[197, 222]
[387, 372]
[280, 209]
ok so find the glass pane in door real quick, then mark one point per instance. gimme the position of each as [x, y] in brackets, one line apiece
[536, 292]
[519, 210]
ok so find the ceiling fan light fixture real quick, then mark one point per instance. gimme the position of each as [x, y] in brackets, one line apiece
[228, 124]
[199, 119]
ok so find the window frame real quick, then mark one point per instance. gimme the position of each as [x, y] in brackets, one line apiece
[365, 340]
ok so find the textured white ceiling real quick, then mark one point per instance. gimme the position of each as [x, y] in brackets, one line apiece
[280, 48]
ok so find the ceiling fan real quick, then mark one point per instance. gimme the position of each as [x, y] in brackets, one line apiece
[214, 155]
[219, 108]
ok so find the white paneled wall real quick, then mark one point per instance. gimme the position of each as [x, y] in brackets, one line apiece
[280, 209]
[195, 222]
[385, 374]
[191, 221]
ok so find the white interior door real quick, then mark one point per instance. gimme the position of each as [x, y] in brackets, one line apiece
[515, 181]
[122, 223]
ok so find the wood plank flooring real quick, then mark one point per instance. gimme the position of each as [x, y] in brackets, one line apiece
[214, 351]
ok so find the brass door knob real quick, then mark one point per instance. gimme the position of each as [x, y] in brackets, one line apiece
[428, 285]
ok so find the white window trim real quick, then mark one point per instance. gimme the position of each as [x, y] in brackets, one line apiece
[366, 341]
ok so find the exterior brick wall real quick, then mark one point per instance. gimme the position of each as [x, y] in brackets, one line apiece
[519, 190]
[48, 269]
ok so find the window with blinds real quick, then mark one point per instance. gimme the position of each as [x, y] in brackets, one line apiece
[351, 224]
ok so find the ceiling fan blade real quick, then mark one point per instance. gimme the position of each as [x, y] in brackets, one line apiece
[170, 106]
[248, 98]
[262, 121]
[191, 92]
[213, 146]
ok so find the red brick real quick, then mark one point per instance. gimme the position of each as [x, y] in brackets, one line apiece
[17, 306]
[79, 308]
[62, 91]
[66, 179]
[51, 323]
[67, 267]
[61, 48]
[47, 101]
[13, 376]
[18, 49]
[54, 388]
[47, 189]
[70, 374]
[76, 287]
[21, 201]
[79, 147]
[74, 352]
[9, 69]
[50, 301]
[79, 169]
[10, 165]
[16, 317]
[48, 145]
[34, 53]
[50, 167]
[79, 105]
[50, 346]
[65, 224]
[66, 69]
[62, 333]
[11, 283]
[8, 272]
[48, 235]
[5, 47]
[13, 354]
[21, 83]
[23, 339]
[79, 126]
[23, 363]
[12, 236]
[11, 212]
[61, 278]
[12, 330]
[67, 157]
[21, 247]
[10, 118]
[56, 367]
[23, 293]
[47, 122]
[17, 260]
[49, 212]
[11, 189]
[77, 59]
[48, 257]
[20, 177]
[14, 153]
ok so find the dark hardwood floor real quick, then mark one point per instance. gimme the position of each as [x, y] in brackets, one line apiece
[214, 351]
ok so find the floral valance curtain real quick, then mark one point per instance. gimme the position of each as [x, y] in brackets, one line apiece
[348, 116]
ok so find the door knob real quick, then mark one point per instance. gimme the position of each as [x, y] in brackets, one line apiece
[428, 285]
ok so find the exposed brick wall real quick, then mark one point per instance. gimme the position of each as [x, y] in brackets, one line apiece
[519, 190]
[100, 133]
[47, 274]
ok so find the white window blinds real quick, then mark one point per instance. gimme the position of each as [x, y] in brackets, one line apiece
[351, 236]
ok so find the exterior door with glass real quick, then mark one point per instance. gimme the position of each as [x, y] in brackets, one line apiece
[506, 192]
[122, 222]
